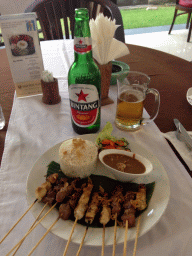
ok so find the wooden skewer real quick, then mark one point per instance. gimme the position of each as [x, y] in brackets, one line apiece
[78, 252]
[103, 241]
[125, 238]
[68, 242]
[43, 236]
[137, 234]
[18, 221]
[115, 233]
[31, 229]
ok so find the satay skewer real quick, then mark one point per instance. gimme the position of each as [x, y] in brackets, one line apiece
[64, 192]
[18, 221]
[128, 216]
[40, 193]
[65, 208]
[116, 201]
[137, 235]
[103, 241]
[43, 236]
[92, 210]
[125, 238]
[105, 218]
[115, 234]
[69, 240]
[82, 241]
[31, 229]
[80, 209]
[31, 226]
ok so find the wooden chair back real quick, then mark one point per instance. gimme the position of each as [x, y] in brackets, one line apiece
[184, 10]
[52, 14]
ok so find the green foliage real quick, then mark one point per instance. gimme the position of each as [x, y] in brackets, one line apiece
[140, 17]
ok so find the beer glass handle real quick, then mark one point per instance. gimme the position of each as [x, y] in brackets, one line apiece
[156, 106]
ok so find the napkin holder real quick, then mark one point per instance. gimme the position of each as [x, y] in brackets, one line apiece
[118, 68]
[50, 92]
[105, 70]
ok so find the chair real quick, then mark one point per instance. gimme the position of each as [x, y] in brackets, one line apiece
[52, 13]
[186, 7]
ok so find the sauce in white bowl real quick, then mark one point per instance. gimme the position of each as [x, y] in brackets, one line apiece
[124, 165]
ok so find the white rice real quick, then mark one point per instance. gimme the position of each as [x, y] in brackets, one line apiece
[78, 158]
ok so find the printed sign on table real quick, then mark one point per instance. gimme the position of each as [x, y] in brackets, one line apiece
[23, 51]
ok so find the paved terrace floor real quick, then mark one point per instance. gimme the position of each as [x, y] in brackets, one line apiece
[158, 38]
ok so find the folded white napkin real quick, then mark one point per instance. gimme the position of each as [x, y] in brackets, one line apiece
[181, 147]
[105, 47]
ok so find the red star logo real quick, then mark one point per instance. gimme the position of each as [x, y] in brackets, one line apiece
[82, 96]
[80, 41]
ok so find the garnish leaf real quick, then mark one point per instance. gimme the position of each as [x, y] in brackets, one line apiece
[106, 134]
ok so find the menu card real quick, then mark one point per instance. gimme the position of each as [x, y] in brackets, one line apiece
[20, 35]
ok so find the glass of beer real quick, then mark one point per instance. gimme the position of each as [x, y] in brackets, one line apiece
[132, 90]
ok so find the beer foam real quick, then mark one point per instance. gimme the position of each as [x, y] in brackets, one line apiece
[132, 96]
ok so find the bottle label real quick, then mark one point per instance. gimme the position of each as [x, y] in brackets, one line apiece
[82, 45]
[84, 103]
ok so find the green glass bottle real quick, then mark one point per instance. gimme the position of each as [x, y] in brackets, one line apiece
[84, 79]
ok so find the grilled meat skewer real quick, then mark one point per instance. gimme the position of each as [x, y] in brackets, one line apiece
[106, 210]
[82, 205]
[129, 210]
[140, 201]
[41, 191]
[65, 210]
[116, 201]
[65, 191]
[93, 208]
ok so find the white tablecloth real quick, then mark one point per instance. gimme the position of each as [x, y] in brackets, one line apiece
[35, 127]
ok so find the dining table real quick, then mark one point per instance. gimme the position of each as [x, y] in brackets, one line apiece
[33, 130]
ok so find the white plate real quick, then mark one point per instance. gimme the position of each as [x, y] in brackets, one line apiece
[149, 218]
[189, 96]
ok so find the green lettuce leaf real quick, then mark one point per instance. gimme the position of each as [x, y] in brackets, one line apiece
[106, 133]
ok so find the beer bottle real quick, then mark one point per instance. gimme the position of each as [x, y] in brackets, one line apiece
[84, 79]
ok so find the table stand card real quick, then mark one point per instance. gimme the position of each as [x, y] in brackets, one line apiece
[23, 51]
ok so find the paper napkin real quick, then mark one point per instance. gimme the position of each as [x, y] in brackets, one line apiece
[105, 47]
[181, 147]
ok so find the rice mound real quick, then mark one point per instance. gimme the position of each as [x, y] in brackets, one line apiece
[78, 157]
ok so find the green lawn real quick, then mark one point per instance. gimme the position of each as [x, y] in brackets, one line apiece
[141, 18]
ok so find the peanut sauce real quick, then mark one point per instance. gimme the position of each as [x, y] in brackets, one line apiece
[124, 163]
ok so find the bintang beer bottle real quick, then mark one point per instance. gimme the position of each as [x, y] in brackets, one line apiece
[84, 79]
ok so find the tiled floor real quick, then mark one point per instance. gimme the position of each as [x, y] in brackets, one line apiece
[175, 44]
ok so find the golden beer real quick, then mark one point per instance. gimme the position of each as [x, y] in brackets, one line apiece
[129, 109]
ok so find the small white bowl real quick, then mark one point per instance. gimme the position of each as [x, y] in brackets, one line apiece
[123, 176]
